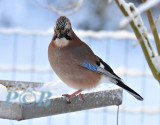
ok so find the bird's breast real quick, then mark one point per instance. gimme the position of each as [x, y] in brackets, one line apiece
[69, 71]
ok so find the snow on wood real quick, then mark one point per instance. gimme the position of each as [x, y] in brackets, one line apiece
[18, 85]
[3, 92]
[58, 104]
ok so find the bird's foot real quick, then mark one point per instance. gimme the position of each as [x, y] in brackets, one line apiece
[68, 97]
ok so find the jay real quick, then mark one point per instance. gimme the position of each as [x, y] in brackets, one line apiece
[76, 64]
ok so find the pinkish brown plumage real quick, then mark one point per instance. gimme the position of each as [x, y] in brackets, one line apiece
[67, 66]
[67, 55]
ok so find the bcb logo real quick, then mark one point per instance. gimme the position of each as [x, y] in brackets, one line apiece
[29, 98]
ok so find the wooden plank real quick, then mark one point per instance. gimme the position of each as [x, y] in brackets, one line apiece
[59, 105]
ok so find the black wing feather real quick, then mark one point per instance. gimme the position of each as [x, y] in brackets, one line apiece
[131, 91]
[106, 67]
[119, 82]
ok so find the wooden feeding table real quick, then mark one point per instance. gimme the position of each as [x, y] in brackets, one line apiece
[58, 105]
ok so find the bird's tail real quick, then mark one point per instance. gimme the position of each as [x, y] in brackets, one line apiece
[131, 91]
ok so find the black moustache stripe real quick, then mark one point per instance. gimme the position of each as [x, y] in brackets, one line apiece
[66, 36]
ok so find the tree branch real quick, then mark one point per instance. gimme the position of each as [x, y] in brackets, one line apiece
[70, 9]
[139, 30]
[153, 28]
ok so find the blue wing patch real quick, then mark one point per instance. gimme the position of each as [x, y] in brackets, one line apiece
[90, 67]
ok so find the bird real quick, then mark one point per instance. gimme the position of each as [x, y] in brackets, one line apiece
[76, 64]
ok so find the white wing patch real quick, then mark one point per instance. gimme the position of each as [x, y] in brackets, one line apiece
[101, 65]
[106, 73]
[105, 79]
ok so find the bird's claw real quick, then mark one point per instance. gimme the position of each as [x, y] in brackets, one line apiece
[68, 98]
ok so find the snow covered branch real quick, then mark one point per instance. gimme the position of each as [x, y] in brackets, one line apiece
[67, 10]
[140, 31]
[142, 8]
[153, 28]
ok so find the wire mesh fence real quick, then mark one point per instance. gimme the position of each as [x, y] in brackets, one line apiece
[24, 58]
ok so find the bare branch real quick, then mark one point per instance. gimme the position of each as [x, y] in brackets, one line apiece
[70, 9]
[69, 6]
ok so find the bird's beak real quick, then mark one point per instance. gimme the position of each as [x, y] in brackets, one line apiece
[59, 35]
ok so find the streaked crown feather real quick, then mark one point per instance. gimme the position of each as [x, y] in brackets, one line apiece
[62, 23]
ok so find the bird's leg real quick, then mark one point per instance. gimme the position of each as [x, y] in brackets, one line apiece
[72, 95]
[82, 97]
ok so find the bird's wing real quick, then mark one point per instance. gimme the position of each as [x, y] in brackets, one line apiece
[89, 60]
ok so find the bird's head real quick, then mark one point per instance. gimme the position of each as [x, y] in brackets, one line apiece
[62, 28]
